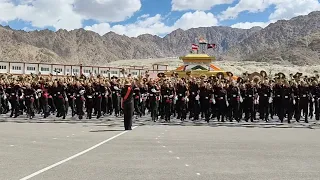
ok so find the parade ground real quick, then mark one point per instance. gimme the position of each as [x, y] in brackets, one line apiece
[100, 149]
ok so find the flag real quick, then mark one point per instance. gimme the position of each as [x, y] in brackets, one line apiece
[211, 46]
[195, 47]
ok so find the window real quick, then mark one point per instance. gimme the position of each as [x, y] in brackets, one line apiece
[57, 70]
[75, 70]
[114, 72]
[17, 68]
[104, 71]
[3, 67]
[95, 71]
[44, 69]
[31, 68]
[87, 71]
[67, 70]
[134, 73]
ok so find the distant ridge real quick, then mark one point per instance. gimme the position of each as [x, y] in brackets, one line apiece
[295, 41]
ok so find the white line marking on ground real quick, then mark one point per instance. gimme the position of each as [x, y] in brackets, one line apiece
[198, 174]
[164, 146]
[74, 156]
[54, 138]
[158, 141]
[11, 145]
[34, 141]
[73, 134]
[187, 165]
[177, 157]
[156, 138]
[67, 136]
[170, 151]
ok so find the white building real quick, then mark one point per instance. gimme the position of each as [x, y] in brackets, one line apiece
[16, 68]
[4, 67]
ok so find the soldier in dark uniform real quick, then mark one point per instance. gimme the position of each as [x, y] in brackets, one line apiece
[234, 99]
[181, 102]
[304, 100]
[80, 99]
[205, 98]
[98, 90]
[13, 98]
[249, 102]
[71, 98]
[104, 102]
[127, 104]
[194, 100]
[317, 101]
[61, 98]
[137, 99]
[154, 100]
[167, 97]
[30, 95]
[296, 101]
[264, 94]
[286, 103]
[221, 102]
[89, 94]
[115, 96]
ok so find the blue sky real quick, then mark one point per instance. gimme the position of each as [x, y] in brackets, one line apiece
[158, 17]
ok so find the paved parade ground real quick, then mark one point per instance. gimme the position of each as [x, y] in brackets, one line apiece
[100, 149]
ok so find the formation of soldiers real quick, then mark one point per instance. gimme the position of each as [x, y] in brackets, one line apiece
[251, 97]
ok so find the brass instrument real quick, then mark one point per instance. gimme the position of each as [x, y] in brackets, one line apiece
[230, 75]
[255, 77]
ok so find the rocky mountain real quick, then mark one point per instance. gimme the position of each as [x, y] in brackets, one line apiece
[295, 41]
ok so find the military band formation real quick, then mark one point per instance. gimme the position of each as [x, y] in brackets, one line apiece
[251, 97]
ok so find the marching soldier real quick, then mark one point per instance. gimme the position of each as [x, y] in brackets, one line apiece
[194, 100]
[30, 96]
[181, 105]
[80, 99]
[127, 105]
[89, 94]
[264, 95]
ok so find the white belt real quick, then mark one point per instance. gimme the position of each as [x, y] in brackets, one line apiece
[234, 95]
[207, 97]
[89, 97]
[285, 96]
[304, 96]
[250, 95]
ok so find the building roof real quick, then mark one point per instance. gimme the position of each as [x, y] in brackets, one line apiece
[197, 56]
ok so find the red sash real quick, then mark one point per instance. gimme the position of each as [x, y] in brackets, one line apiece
[126, 96]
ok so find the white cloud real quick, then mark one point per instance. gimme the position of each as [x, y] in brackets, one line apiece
[107, 10]
[248, 25]
[284, 9]
[204, 5]
[66, 14]
[196, 19]
[155, 25]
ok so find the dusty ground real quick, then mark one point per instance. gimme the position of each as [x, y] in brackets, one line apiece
[99, 149]
[236, 67]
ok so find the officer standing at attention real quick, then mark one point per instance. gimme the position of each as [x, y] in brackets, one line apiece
[127, 104]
